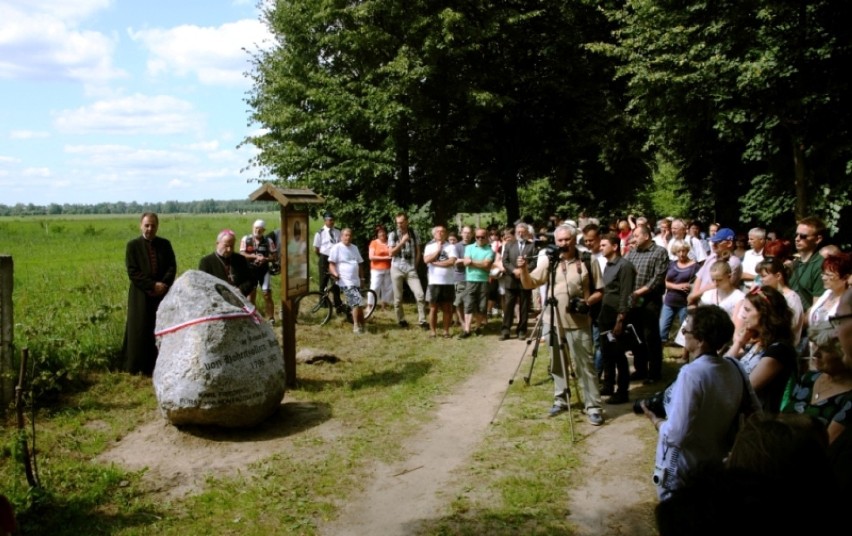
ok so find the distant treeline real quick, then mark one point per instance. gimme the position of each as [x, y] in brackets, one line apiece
[205, 206]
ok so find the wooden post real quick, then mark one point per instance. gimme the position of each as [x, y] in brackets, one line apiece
[289, 199]
[7, 387]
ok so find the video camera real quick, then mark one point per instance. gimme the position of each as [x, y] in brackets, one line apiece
[553, 253]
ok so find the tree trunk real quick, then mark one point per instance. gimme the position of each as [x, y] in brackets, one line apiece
[800, 179]
[403, 175]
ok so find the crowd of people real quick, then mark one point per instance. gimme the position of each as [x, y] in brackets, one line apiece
[762, 322]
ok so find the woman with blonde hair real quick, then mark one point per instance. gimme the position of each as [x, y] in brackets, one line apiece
[725, 295]
[825, 393]
[679, 277]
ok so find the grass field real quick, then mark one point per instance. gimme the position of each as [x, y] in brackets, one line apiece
[70, 293]
[70, 284]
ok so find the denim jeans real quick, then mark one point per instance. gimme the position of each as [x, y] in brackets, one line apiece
[667, 315]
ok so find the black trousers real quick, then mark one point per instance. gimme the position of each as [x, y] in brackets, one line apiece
[648, 355]
[614, 361]
[522, 297]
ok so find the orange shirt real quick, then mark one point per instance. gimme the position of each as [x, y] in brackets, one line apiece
[382, 250]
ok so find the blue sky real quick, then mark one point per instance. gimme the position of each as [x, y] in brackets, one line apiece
[125, 100]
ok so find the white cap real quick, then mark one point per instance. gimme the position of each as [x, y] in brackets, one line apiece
[260, 223]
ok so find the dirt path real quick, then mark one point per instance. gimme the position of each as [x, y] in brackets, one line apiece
[612, 495]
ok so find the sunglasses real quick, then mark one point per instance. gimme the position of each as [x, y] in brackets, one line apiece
[481, 236]
[803, 236]
[756, 291]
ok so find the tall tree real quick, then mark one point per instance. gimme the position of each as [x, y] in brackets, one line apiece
[394, 103]
[751, 96]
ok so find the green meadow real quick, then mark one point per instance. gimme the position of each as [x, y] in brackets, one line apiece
[70, 284]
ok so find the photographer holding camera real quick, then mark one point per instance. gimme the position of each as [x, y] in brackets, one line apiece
[571, 290]
[704, 404]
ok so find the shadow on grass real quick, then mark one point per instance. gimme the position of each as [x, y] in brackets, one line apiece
[544, 521]
[311, 385]
[409, 372]
[59, 516]
[290, 419]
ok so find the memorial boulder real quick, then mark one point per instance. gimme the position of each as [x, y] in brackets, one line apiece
[219, 363]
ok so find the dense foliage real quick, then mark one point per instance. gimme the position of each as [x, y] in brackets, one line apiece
[378, 104]
[384, 103]
[749, 96]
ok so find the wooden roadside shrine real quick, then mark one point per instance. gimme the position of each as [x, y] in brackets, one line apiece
[294, 255]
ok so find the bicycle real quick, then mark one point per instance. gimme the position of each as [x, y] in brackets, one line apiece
[315, 307]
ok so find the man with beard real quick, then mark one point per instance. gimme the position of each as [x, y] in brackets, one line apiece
[223, 264]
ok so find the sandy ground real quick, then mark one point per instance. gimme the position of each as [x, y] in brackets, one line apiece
[612, 496]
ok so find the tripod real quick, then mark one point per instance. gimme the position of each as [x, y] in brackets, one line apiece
[556, 343]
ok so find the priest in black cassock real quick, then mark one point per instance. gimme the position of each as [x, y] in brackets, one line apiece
[151, 267]
[227, 265]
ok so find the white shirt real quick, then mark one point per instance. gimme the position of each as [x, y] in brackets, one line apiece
[822, 309]
[794, 302]
[750, 261]
[326, 238]
[347, 260]
[728, 303]
[440, 275]
[696, 249]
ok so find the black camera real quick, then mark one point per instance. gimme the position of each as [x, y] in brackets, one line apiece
[578, 306]
[554, 253]
[653, 403]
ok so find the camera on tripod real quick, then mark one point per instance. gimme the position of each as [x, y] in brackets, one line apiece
[554, 253]
[578, 306]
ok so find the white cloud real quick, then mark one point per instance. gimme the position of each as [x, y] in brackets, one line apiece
[28, 134]
[135, 114]
[211, 145]
[9, 160]
[216, 56]
[36, 172]
[131, 160]
[61, 9]
[38, 41]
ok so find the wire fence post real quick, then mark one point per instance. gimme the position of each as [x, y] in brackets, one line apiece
[7, 322]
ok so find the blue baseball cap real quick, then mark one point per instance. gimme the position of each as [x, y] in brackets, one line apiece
[722, 235]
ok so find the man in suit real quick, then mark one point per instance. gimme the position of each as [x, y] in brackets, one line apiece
[223, 264]
[151, 267]
[522, 246]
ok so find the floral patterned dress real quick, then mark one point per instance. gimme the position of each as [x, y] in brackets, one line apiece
[834, 408]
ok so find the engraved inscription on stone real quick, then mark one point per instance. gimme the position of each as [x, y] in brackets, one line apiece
[225, 367]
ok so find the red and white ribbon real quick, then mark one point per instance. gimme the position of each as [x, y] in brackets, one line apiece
[246, 313]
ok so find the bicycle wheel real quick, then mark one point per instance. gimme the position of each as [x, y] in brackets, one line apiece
[369, 300]
[313, 309]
